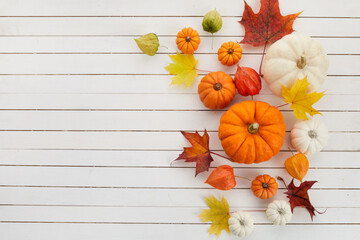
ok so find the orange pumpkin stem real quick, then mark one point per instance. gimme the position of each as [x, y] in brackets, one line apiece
[230, 51]
[217, 86]
[253, 128]
[188, 39]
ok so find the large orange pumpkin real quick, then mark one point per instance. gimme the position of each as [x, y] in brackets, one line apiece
[252, 132]
[188, 40]
[216, 90]
[264, 186]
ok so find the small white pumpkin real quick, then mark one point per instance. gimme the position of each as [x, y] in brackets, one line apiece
[294, 57]
[279, 212]
[241, 223]
[309, 136]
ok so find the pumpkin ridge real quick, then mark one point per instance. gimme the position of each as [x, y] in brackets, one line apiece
[205, 92]
[212, 76]
[220, 98]
[251, 153]
[286, 73]
[257, 117]
[188, 31]
[193, 44]
[226, 58]
[265, 129]
[180, 44]
[226, 87]
[232, 155]
[262, 147]
[272, 148]
[238, 116]
[225, 93]
[207, 85]
[181, 35]
[238, 149]
[209, 95]
[233, 114]
[265, 178]
[245, 108]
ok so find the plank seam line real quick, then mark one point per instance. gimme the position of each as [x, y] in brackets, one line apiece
[140, 206]
[161, 16]
[159, 167]
[135, 131]
[139, 35]
[171, 223]
[146, 110]
[158, 188]
[139, 53]
[140, 150]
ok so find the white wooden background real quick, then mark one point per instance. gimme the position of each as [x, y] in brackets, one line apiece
[89, 125]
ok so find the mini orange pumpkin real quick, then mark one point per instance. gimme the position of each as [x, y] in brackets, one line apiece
[229, 53]
[252, 132]
[216, 90]
[188, 40]
[264, 186]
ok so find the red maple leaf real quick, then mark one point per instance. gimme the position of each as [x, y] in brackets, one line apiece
[199, 152]
[266, 26]
[299, 197]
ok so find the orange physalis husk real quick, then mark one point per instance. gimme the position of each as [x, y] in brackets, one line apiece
[297, 166]
[222, 178]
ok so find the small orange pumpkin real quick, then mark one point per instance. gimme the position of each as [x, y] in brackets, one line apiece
[216, 90]
[252, 131]
[188, 40]
[229, 53]
[264, 186]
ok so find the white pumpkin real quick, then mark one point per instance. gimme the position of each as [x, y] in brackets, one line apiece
[294, 57]
[279, 212]
[309, 136]
[241, 223]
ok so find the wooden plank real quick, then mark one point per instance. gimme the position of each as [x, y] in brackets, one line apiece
[134, 120]
[121, 158]
[338, 141]
[26, 231]
[120, 26]
[135, 84]
[153, 101]
[155, 214]
[125, 44]
[138, 64]
[161, 197]
[319, 8]
[149, 177]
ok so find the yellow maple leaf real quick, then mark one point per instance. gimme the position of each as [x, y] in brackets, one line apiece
[301, 102]
[218, 214]
[184, 67]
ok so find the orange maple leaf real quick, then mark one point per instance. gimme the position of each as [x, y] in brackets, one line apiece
[199, 152]
[268, 25]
